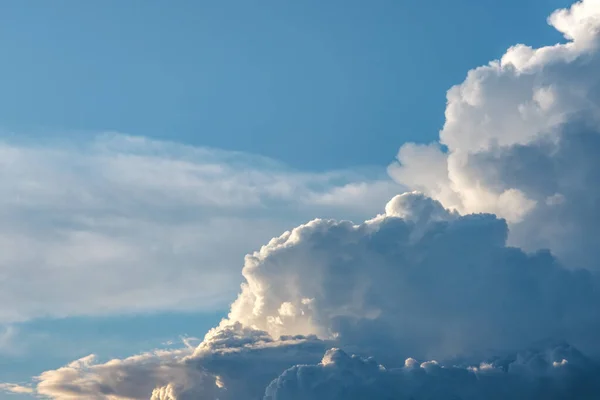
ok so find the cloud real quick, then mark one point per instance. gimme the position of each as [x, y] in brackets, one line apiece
[455, 272]
[521, 139]
[429, 285]
[540, 374]
[417, 281]
[118, 221]
[7, 337]
[128, 378]
[224, 366]
[16, 389]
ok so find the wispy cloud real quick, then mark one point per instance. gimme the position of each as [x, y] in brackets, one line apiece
[16, 389]
[113, 225]
[8, 334]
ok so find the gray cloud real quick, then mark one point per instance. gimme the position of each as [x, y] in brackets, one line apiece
[554, 373]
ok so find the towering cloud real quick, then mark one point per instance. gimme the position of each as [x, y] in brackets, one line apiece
[429, 284]
[457, 272]
[521, 139]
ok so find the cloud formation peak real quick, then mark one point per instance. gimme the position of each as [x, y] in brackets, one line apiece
[521, 141]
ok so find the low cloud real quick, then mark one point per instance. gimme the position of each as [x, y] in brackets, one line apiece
[554, 373]
[233, 363]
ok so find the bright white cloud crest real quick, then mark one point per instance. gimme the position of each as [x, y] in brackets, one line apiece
[455, 271]
[411, 283]
[522, 133]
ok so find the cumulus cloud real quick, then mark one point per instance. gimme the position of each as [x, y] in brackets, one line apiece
[77, 218]
[521, 139]
[430, 285]
[420, 280]
[457, 272]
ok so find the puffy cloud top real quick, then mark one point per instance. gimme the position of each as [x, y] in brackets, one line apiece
[522, 136]
[417, 207]
[430, 284]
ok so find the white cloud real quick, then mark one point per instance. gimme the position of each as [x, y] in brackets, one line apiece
[421, 280]
[521, 133]
[113, 225]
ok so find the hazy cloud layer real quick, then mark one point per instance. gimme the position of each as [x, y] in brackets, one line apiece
[115, 224]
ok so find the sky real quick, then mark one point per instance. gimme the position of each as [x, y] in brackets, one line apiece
[160, 164]
[281, 79]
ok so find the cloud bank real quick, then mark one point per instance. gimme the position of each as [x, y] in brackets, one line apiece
[418, 281]
[457, 274]
[524, 376]
[111, 225]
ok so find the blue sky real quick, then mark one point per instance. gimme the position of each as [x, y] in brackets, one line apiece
[289, 80]
[325, 91]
